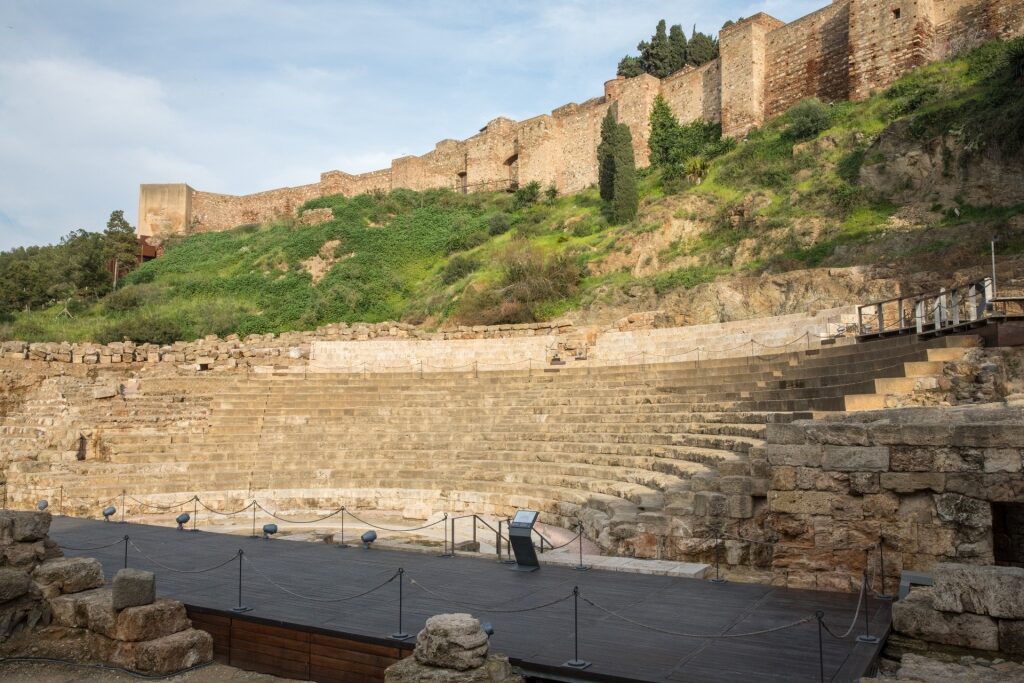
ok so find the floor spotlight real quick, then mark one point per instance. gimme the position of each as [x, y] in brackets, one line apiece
[368, 538]
[43, 504]
[488, 628]
[109, 512]
[269, 530]
[182, 520]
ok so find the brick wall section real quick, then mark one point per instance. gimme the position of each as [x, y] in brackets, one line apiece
[843, 51]
[921, 479]
[809, 58]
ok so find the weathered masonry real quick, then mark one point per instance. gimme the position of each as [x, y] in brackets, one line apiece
[842, 51]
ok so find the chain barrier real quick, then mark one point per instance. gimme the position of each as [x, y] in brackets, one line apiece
[275, 584]
[485, 608]
[384, 528]
[225, 514]
[162, 508]
[233, 558]
[706, 636]
[296, 521]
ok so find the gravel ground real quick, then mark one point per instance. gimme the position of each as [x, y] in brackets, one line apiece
[46, 672]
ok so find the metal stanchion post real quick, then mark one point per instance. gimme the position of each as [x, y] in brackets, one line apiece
[195, 511]
[254, 519]
[576, 662]
[497, 540]
[61, 507]
[400, 634]
[444, 525]
[343, 544]
[240, 608]
[881, 568]
[579, 537]
[123, 493]
[867, 637]
[819, 615]
[126, 551]
[718, 561]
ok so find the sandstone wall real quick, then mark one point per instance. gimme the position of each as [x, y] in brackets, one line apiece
[843, 51]
[920, 481]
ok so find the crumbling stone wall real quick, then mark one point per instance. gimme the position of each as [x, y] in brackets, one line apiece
[920, 481]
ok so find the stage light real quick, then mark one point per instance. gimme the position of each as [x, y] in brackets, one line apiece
[368, 538]
[43, 504]
[109, 512]
[269, 530]
[488, 628]
[182, 520]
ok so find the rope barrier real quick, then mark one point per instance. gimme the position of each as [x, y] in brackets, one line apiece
[853, 622]
[278, 586]
[706, 636]
[98, 547]
[485, 608]
[181, 571]
[297, 521]
[162, 508]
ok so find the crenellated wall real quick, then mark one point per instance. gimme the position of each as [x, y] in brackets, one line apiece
[843, 51]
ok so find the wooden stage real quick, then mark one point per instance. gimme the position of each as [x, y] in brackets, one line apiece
[349, 641]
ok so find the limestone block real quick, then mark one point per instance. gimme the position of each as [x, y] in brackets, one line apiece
[782, 433]
[916, 617]
[133, 587]
[452, 641]
[70, 574]
[709, 504]
[864, 482]
[26, 555]
[1011, 636]
[735, 485]
[496, 670]
[909, 482]
[167, 654]
[740, 506]
[856, 458]
[155, 620]
[1002, 460]
[13, 583]
[988, 435]
[800, 502]
[838, 434]
[806, 455]
[979, 589]
[23, 526]
[971, 512]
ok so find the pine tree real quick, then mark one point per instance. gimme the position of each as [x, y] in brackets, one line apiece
[625, 200]
[664, 131]
[121, 244]
[677, 47]
[606, 156]
[629, 67]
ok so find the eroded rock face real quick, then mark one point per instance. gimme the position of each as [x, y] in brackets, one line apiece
[988, 590]
[916, 616]
[69, 575]
[452, 648]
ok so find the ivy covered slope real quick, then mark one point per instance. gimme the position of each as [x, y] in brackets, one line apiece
[921, 175]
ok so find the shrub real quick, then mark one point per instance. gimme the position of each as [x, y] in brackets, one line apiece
[527, 195]
[849, 165]
[498, 224]
[806, 119]
[551, 193]
[458, 267]
[1013, 60]
[145, 329]
[131, 297]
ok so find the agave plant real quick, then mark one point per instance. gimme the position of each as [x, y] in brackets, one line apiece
[1014, 59]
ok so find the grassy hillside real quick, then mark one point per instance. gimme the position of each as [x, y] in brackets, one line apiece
[786, 198]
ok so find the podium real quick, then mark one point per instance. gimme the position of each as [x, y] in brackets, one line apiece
[520, 535]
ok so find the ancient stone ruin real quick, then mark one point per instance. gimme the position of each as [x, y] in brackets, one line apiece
[452, 648]
[56, 607]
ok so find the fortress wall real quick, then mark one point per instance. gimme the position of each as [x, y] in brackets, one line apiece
[884, 46]
[695, 93]
[965, 24]
[164, 209]
[808, 58]
[743, 51]
[491, 161]
[579, 134]
[212, 212]
[540, 151]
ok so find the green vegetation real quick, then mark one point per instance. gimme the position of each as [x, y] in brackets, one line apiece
[669, 51]
[791, 195]
[617, 170]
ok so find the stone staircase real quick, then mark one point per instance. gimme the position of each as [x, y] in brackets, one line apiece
[627, 449]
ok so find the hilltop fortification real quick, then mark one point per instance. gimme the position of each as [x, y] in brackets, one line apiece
[841, 52]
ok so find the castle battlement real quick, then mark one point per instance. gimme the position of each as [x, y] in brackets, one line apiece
[844, 51]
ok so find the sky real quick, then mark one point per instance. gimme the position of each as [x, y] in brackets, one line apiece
[239, 96]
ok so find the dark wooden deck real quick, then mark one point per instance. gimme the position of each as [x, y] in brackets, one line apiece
[538, 641]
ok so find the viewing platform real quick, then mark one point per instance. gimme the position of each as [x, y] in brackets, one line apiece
[324, 613]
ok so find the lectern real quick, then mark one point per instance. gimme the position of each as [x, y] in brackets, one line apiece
[520, 535]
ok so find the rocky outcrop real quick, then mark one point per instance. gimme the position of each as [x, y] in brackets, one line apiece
[452, 648]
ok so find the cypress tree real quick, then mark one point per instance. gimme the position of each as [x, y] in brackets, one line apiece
[664, 131]
[656, 56]
[625, 200]
[677, 47]
[629, 67]
[701, 49]
[606, 156]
